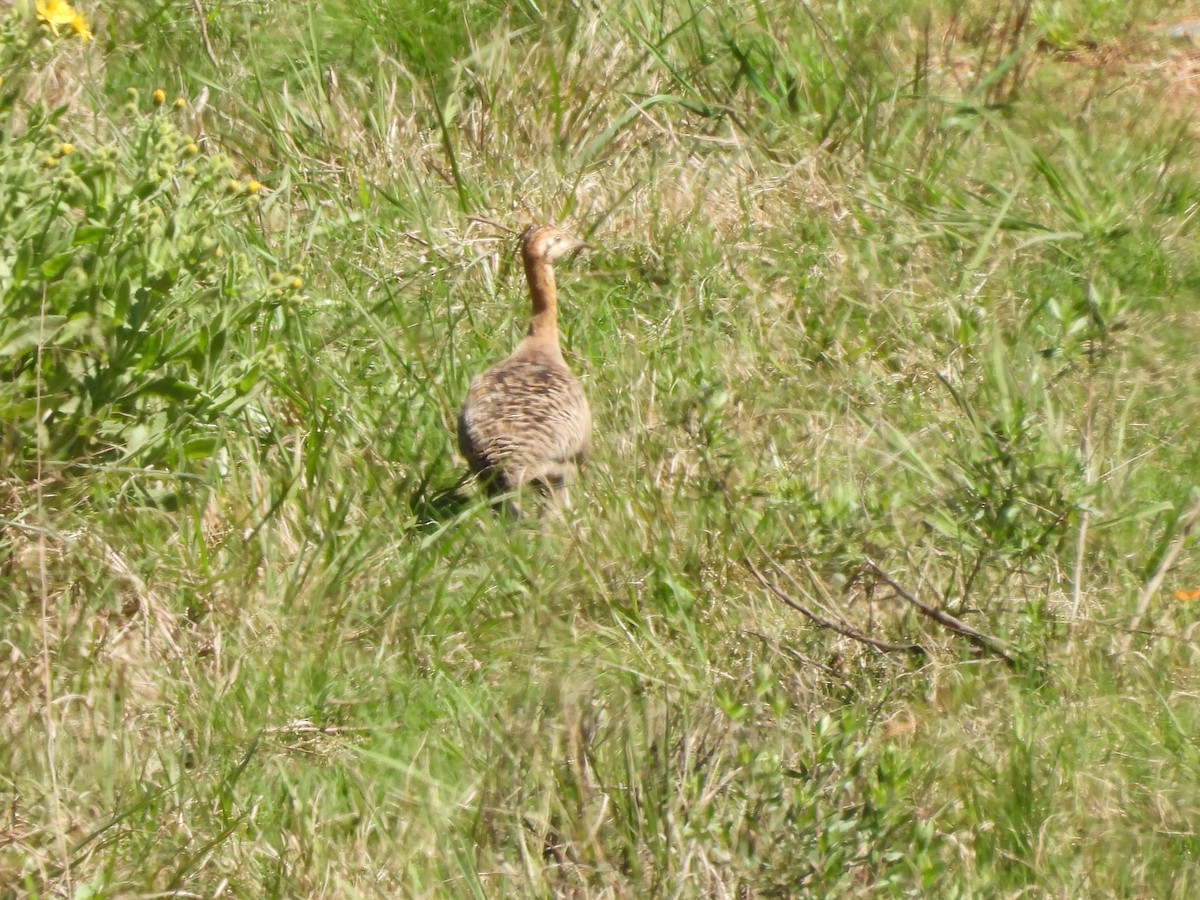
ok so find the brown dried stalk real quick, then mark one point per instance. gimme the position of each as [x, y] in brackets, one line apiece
[983, 641]
[840, 628]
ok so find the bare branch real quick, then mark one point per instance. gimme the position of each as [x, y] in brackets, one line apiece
[202, 20]
[978, 638]
[1085, 518]
[1155, 583]
[843, 630]
[485, 221]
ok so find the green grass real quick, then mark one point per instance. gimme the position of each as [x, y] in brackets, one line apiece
[891, 301]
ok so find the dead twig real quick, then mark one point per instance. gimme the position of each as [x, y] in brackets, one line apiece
[843, 630]
[1160, 574]
[202, 20]
[795, 654]
[494, 224]
[1085, 455]
[983, 641]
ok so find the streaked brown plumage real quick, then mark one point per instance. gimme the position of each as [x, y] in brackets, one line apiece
[526, 419]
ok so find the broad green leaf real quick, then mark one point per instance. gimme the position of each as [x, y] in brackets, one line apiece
[19, 337]
[57, 264]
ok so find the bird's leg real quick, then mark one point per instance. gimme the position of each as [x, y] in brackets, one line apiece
[560, 497]
[558, 481]
[509, 506]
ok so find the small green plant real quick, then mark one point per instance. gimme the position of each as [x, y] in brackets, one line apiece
[28, 41]
[132, 315]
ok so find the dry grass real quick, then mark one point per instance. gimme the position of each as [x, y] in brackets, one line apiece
[864, 287]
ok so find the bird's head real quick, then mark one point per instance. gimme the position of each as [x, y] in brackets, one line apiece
[547, 243]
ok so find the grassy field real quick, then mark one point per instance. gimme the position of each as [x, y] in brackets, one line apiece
[879, 581]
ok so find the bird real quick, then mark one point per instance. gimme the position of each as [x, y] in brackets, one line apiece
[526, 420]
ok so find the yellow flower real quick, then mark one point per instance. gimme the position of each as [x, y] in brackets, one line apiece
[159, 96]
[66, 149]
[55, 13]
[79, 25]
[253, 187]
[60, 12]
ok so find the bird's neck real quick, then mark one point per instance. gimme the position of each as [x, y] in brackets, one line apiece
[543, 329]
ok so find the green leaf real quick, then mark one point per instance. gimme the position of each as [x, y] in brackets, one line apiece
[22, 336]
[89, 234]
[57, 264]
[200, 447]
[170, 387]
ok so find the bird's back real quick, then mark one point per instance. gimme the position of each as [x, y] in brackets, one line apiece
[526, 420]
